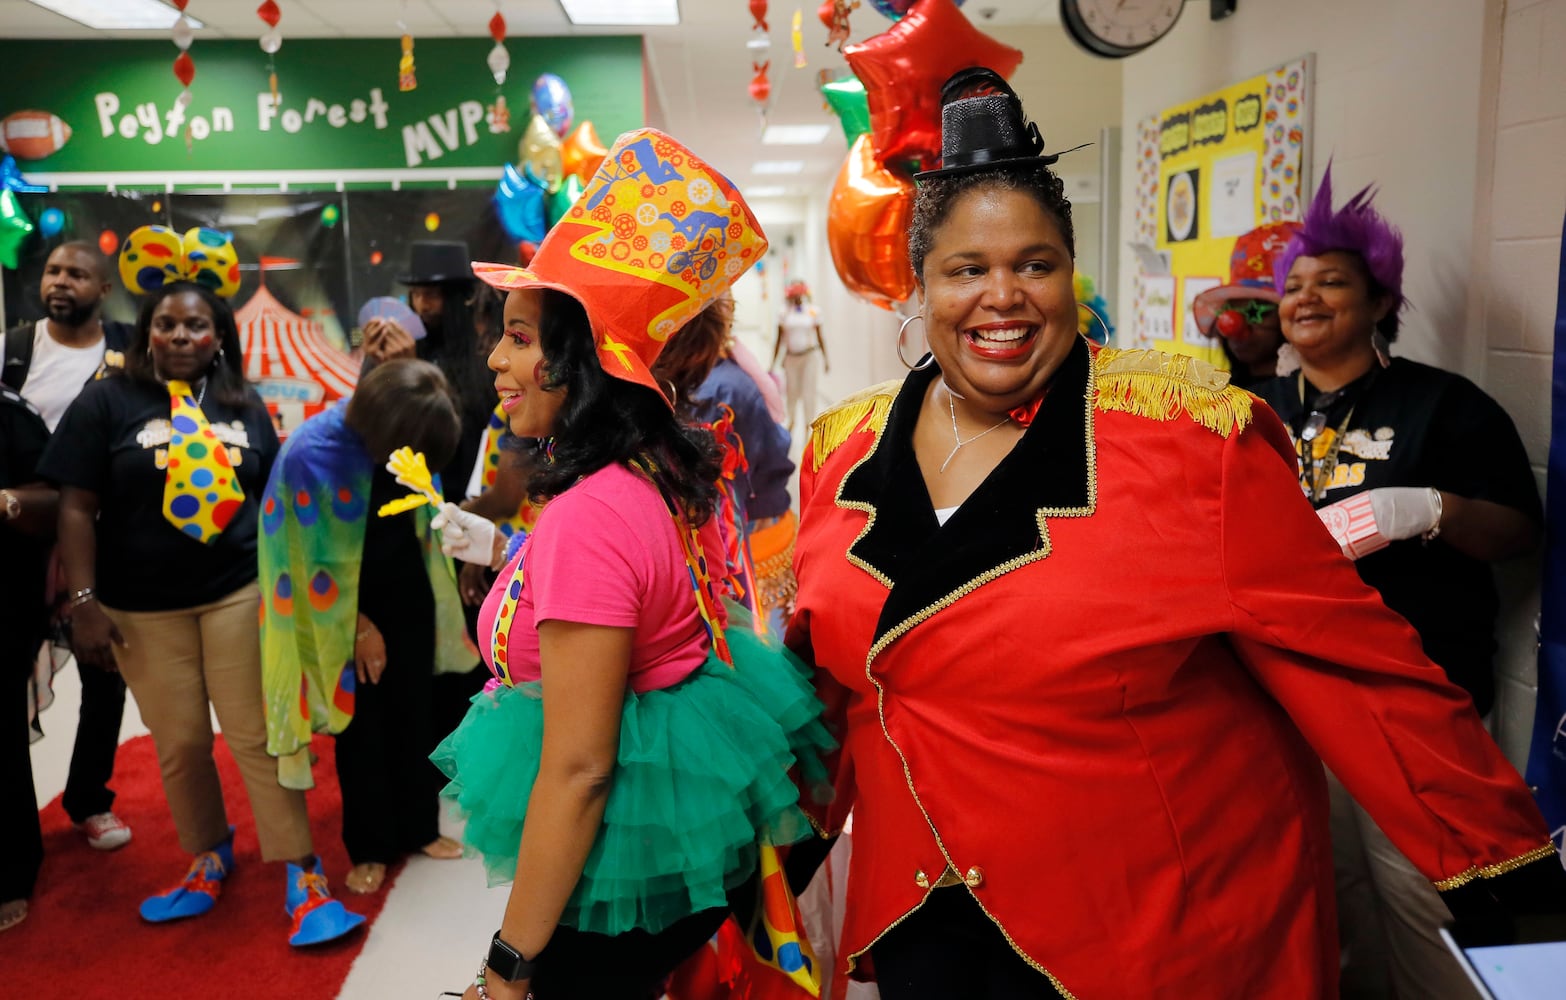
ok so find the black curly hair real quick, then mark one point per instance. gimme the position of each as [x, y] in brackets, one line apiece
[606, 420]
[936, 197]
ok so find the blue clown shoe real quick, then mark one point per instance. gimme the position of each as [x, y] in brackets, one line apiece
[198, 891]
[316, 916]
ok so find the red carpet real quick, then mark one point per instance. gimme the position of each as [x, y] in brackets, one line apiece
[83, 937]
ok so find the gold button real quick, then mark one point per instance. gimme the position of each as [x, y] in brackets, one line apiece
[921, 879]
[974, 878]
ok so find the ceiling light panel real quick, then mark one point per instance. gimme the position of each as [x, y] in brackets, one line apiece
[795, 135]
[126, 15]
[778, 167]
[622, 12]
[765, 191]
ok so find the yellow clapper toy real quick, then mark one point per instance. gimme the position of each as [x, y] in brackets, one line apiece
[413, 472]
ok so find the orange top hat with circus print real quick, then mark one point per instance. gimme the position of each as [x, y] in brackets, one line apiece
[656, 235]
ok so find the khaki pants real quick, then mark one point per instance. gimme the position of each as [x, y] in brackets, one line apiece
[176, 663]
[1388, 915]
[800, 372]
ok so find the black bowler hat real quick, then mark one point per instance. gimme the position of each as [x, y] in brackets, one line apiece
[983, 127]
[431, 262]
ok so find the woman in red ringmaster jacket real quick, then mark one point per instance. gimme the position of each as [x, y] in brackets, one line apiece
[1089, 646]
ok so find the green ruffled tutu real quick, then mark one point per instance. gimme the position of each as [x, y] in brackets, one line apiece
[704, 773]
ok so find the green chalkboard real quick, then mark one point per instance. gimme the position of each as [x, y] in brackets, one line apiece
[340, 108]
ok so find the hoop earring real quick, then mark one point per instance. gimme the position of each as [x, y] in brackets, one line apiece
[1102, 322]
[929, 359]
[674, 394]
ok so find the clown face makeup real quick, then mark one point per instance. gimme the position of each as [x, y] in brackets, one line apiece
[184, 337]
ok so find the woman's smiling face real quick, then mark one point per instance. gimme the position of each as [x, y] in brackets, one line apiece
[999, 309]
[519, 367]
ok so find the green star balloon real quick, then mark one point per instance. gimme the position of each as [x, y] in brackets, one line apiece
[15, 227]
[561, 201]
[847, 99]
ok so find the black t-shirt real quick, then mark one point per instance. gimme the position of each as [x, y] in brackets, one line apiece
[1414, 425]
[114, 441]
[24, 557]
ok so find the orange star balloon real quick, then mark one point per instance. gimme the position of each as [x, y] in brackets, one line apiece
[582, 152]
[904, 67]
[867, 228]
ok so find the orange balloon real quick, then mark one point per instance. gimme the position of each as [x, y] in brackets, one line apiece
[867, 227]
[582, 152]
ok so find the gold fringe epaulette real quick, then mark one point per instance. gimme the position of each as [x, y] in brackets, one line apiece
[1163, 386]
[833, 427]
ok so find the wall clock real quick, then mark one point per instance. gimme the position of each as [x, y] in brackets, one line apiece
[1118, 28]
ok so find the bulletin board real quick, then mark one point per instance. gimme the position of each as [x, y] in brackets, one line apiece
[1209, 170]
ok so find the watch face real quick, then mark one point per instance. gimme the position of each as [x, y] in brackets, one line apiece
[1124, 26]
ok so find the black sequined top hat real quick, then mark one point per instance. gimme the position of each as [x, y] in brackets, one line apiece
[431, 262]
[983, 127]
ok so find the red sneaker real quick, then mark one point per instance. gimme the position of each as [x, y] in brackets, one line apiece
[105, 831]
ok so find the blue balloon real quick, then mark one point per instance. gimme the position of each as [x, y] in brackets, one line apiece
[521, 203]
[51, 221]
[552, 99]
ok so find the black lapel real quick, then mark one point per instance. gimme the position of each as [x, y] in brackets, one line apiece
[1000, 527]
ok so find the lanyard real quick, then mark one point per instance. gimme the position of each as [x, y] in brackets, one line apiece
[1316, 469]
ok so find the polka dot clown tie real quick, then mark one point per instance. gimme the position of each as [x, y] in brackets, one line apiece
[201, 494]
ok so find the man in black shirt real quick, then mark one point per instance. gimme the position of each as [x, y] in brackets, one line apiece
[48, 362]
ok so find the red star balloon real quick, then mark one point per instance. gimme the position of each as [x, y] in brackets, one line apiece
[904, 67]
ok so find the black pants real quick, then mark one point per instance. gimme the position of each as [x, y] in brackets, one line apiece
[949, 948]
[453, 691]
[19, 827]
[630, 966]
[87, 791]
[390, 788]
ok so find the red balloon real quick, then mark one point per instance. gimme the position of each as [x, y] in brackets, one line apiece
[185, 68]
[108, 242]
[867, 228]
[269, 13]
[904, 67]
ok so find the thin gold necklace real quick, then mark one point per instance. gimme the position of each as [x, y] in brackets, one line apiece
[951, 406]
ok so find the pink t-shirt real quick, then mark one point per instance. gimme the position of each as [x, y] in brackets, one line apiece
[605, 552]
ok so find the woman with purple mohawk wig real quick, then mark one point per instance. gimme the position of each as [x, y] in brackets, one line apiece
[1423, 480]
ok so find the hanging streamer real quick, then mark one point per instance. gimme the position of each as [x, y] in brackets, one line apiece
[184, 66]
[270, 43]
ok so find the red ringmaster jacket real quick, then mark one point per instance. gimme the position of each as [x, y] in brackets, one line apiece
[1096, 697]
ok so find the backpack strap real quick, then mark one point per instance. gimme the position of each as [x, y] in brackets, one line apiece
[18, 356]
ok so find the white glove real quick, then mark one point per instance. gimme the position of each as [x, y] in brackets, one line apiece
[465, 536]
[1374, 519]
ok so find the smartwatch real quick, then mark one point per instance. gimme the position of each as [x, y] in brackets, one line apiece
[506, 962]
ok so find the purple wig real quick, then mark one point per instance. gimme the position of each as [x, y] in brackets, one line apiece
[1356, 228]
